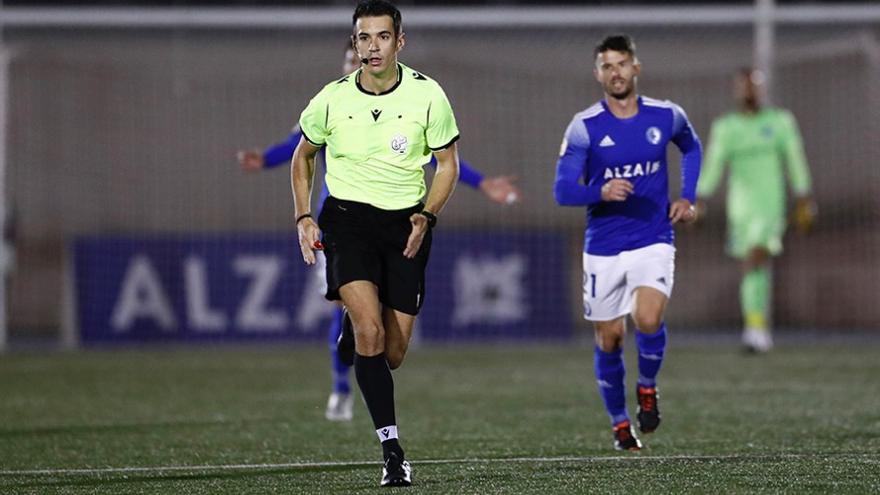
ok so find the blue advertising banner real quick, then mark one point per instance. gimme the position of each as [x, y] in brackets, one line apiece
[496, 285]
[254, 287]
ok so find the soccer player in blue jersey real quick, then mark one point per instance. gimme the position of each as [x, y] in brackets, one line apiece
[613, 161]
[500, 189]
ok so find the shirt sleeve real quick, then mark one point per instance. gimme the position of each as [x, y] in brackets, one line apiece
[281, 153]
[442, 130]
[716, 158]
[684, 136]
[313, 120]
[793, 150]
[568, 188]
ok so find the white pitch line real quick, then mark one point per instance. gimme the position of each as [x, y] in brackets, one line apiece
[328, 464]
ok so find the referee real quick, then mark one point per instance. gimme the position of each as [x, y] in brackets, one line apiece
[379, 125]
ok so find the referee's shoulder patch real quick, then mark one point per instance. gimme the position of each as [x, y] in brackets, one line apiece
[344, 79]
[418, 76]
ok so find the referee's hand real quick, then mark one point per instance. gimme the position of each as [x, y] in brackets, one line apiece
[419, 227]
[309, 235]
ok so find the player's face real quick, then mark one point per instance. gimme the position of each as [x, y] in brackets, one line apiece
[351, 61]
[747, 88]
[375, 40]
[617, 73]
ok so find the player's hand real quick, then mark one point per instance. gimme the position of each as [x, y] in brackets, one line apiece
[701, 209]
[250, 160]
[501, 189]
[309, 239]
[804, 214]
[682, 211]
[616, 190]
[419, 228]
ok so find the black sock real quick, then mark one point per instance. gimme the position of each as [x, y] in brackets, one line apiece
[377, 387]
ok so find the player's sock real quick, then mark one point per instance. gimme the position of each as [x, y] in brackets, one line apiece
[377, 389]
[754, 294]
[651, 349]
[609, 375]
[340, 370]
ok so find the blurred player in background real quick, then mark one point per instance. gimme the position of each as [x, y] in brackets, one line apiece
[613, 161]
[380, 125]
[500, 189]
[755, 141]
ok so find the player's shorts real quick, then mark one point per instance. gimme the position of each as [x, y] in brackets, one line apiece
[362, 242]
[745, 235]
[609, 281]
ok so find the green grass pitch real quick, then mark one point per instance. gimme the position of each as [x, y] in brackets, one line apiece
[483, 419]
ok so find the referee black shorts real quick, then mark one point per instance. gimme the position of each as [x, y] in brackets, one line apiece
[362, 242]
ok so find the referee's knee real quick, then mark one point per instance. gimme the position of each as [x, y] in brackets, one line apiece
[369, 339]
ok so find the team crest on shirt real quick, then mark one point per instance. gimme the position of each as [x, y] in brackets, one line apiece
[653, 135]
[398, 144]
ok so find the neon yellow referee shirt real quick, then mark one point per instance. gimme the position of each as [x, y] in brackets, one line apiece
[377, 145]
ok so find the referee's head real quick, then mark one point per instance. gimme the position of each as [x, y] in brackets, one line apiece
[377, 8]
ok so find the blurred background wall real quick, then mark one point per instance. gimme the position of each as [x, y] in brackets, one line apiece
[134, 130]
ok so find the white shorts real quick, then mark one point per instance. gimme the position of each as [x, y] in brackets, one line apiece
[609, 281]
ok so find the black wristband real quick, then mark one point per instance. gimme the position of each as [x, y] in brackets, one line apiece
[300, 218]
[432, 218]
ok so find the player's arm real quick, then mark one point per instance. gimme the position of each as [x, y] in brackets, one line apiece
[500, 189]
[798, 174]
[568, 188]
[302, 173]
[687, 141]
[275, 155]
[713, 166]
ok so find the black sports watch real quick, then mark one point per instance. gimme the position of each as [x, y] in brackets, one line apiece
[432, 218]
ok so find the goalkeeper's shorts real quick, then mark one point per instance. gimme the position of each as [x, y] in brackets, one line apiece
[756, 232]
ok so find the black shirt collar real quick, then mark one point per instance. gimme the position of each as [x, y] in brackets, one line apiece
[357, 81]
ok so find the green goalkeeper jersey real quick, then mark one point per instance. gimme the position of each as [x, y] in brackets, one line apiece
[757, 147]
[378, 145]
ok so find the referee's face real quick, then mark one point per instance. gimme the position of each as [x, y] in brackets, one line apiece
[617, 73]
[376, 41]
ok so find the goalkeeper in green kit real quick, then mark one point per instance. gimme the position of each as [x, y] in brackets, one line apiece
[760, 145]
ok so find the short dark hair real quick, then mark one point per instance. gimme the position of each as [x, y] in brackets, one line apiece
[377, 8]
[617, 42]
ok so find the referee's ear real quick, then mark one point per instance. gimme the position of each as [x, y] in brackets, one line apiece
[401, 40]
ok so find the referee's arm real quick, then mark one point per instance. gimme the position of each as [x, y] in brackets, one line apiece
[302, 172]
[442, 186]
[444, 179]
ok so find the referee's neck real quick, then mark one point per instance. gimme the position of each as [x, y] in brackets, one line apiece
[381, 82]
